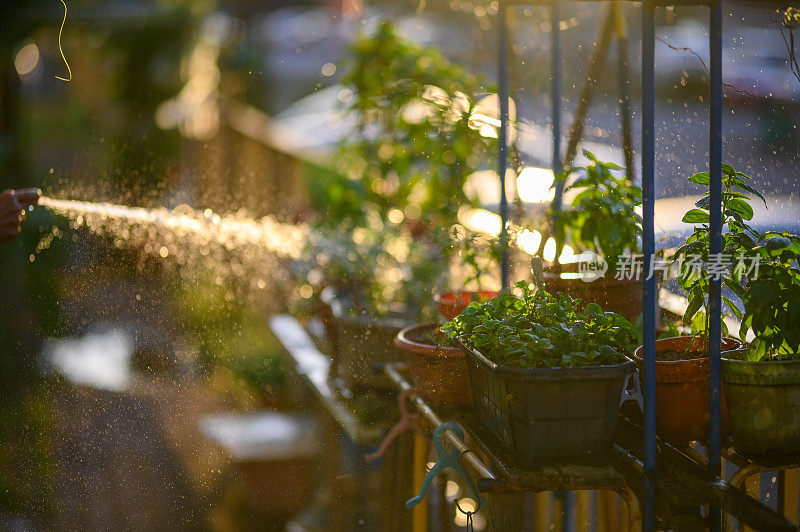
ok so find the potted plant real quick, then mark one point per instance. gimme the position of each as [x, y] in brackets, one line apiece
[546, 376]
[475, 253]
[762, 382]
[682, 362]
[602, 219]
[379, 283]
[398, 184]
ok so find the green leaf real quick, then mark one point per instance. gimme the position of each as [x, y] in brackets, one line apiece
[733, 307]
[695, 303]
[701, 178]
[741, 207]
[777, 242]
[728, 170]
[695, 216]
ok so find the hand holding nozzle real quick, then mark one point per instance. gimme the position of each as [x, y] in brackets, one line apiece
[12, 211]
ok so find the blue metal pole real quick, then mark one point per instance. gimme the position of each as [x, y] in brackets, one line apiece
[648, 248]
[502, 94]
[714, 298]
[555, 13]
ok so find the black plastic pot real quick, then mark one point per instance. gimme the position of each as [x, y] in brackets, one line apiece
[359, 342]
[551, 412]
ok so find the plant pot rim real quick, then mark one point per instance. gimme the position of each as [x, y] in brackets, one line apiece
[404, 342]
[761, 373]
[667, 363]
[556, 373]
[600, 281]
[736, 361]
[448, 297]
[553, 272]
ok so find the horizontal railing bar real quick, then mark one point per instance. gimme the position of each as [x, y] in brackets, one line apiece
[692, 475]
[488, 479]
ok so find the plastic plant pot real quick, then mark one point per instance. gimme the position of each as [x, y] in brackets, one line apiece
[763, 400]
[359, 342]
[451, 304]
[440, 372]
[682, 389]
[552, 412]
[623, 296]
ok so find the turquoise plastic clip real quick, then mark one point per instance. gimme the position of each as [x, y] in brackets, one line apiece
[444, 460]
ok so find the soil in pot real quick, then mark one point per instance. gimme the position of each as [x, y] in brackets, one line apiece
[763, 399]
[451, 304]
[682, 387]
[439, 367]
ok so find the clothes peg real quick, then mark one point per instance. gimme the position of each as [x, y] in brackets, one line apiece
[408, 421]
[445, 460]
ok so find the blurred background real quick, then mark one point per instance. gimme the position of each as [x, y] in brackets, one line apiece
[118, 347]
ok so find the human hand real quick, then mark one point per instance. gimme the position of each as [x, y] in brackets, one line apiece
[12, 211]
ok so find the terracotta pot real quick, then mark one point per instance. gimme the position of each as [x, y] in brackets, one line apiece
[682, 390]
[440, 373]
[451, 304]
[623, 296]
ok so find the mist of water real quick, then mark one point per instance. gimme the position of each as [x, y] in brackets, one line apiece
[253, 252]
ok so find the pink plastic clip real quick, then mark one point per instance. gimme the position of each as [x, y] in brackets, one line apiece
[408, 421]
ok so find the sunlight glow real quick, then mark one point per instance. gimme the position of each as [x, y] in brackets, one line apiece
[529, 241]
[480, 220]
[568, 255]
[27, 59]
[485, 117]
[550, 249]
[534, 185]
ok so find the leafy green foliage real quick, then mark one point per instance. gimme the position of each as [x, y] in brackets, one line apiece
[602, 217]
[540, 330]
[772, 311]
[380, 268]
[260, 370]
[399, 182]
[738, 239]
[416, 141]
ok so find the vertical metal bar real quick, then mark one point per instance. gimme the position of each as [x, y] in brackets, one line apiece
[555, 16]
[714, 298]
[648, 248]
[502, 94]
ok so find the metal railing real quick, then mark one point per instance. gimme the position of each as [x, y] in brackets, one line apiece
[648, 202]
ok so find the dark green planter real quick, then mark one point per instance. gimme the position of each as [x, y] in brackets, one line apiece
[359, 342]
[763, 400]
[549, 412]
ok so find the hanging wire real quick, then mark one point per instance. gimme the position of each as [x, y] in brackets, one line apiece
[703, 63]
[60, 49]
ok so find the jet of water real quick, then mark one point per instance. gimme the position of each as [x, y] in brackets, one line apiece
[231, 231]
